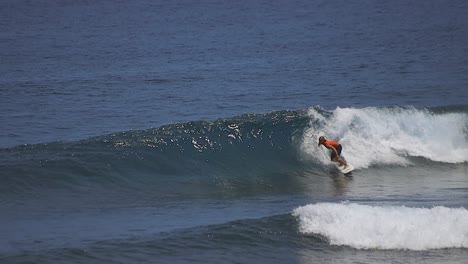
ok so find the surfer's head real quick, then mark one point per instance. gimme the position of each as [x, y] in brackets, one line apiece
[322, 140]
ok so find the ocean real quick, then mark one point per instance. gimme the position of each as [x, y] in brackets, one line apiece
[186, 131]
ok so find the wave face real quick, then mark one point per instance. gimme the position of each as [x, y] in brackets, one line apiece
[389, 136]
[386, 227]
[195, 157]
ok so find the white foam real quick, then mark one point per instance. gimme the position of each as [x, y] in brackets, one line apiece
[386, 227]
[389, 135]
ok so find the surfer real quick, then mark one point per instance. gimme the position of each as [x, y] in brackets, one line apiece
[336, 150]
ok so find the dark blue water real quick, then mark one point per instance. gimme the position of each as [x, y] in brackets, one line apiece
[76, 69]
[186, 131]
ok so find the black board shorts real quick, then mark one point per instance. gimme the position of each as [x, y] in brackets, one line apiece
[333, 154]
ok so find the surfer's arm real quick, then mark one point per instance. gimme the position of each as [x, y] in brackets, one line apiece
[334, 150]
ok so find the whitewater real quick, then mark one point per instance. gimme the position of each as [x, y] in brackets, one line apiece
[386, 227]
[388, 138]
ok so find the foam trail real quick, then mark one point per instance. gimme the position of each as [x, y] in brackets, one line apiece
[387, 227]
[389, 135]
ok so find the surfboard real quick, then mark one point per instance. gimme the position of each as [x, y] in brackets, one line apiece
[342, 169]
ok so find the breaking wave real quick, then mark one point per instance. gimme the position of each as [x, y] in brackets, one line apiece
[250, 152]
[385, 227]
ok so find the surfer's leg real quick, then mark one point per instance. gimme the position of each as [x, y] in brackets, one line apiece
[338, 158]
[341, 161]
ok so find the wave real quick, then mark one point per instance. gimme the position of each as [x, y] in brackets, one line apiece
[390, 136]
[386, 227]
[248, 152]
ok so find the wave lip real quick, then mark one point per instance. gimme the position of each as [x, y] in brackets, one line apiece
[385, 227]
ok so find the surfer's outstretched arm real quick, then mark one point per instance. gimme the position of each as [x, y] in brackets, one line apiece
[336, 152]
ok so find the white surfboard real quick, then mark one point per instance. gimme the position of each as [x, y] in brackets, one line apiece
[342, 168]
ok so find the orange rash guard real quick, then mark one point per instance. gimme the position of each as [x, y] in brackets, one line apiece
[330, 143]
